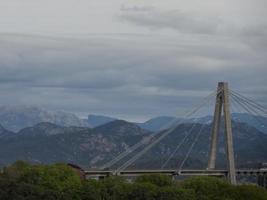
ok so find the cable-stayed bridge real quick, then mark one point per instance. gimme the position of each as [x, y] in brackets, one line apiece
[225, 101]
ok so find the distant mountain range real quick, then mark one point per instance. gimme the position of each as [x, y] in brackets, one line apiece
[15, 118]
[97, 120]
[161, 122]
[157, 123]
[92, 147]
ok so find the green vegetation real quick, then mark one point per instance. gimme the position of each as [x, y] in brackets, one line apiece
[22, 181]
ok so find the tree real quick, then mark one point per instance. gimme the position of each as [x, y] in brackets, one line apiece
[57, 181]
[91, 190]
[175, 193]
[22, 181]
[209, 188]
[158, 180]
[249, 192]
[114, 188]
[143, 191]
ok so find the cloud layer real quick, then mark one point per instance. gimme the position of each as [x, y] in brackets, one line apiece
[130, 59]
[128, 76]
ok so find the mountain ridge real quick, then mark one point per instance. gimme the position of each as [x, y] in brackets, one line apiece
[15, 118]
[93, 147]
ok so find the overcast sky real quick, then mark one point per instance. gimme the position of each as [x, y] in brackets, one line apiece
[130, 59]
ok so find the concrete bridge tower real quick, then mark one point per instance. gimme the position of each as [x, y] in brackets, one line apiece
[222, 105]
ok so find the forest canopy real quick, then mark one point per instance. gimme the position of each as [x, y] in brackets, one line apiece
[61, 182]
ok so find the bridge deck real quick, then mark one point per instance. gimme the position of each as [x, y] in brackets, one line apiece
[171, 172]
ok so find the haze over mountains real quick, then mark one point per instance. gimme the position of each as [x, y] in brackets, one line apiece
[15, 118]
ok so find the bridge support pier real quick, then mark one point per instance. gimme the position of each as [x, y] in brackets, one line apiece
[262, 180]
[223, 105]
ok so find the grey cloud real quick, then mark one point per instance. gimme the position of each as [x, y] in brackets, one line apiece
[251, 32]
[255, 36]
[136, 8]
[173, 19]
[131, 76]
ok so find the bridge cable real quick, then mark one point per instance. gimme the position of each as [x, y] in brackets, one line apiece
[252, 116]
[244, 106]
[249, 101]
[192, 146]
[128, 151]
[171, 129]
[178, 146]
[194, 143]
[181, 143]
[144, 141]
[164, 134]
[249, 105]
[248, 109]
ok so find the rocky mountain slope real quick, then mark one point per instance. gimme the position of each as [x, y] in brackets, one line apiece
[15, 118]
[48, 143]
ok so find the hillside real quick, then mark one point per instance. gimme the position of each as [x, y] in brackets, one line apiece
[49, 143]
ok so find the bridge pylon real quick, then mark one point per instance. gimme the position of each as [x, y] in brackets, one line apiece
[222, 105]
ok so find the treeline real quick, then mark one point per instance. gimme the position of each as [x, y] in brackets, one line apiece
[22, 181]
